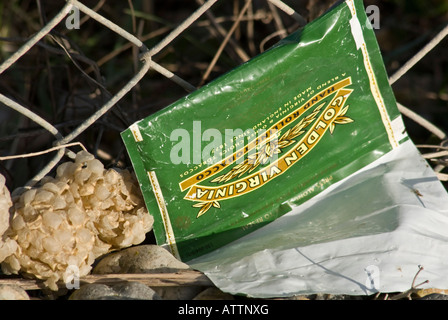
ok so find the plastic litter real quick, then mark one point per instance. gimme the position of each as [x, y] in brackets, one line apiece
[293, 173]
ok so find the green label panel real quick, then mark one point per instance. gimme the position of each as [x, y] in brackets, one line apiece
[267, 136]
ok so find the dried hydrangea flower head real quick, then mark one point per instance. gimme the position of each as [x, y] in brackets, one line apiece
[7, 246]
[75, 217]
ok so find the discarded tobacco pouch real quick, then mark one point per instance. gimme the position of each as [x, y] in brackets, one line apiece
[293, 173]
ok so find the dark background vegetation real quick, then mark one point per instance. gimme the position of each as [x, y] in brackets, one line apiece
[49, 83]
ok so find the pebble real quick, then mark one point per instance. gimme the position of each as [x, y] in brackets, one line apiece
[122, 291]
[148, 259]
[12, 292]
[178, 293]
[139, 259]
[213, 293]
[435, 296]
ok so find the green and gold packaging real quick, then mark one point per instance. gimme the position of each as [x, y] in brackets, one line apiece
[271, 134]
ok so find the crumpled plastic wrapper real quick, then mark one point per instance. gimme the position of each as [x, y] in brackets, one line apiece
[70, 220]
[7, 246]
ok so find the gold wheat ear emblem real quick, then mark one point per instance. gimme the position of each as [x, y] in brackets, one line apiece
[205, 206]
[270, 148]
[340, 118]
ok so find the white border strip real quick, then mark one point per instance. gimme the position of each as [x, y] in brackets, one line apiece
[164, 213]
[136, 132]
[376, 93]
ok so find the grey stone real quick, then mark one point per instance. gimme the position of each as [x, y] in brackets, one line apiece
[122, 291]
[136, 290]
[147, 259]
[178, 293]
[93, 292]
[435, 296]
[12, 292]
[213, 293]
[139, 259]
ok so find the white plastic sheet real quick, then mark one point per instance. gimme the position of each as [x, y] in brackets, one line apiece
[368, 233]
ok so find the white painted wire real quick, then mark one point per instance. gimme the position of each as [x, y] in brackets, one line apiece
[148, 63]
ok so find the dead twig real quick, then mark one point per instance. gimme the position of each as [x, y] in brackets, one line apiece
[422, 121]
[180, 278]
[224, 43]
[407, 294]
[34, 154]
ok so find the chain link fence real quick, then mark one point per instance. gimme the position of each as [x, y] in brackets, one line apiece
[84, 76]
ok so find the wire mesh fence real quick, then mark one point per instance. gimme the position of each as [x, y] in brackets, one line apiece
[76, 74]
[83, 76]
